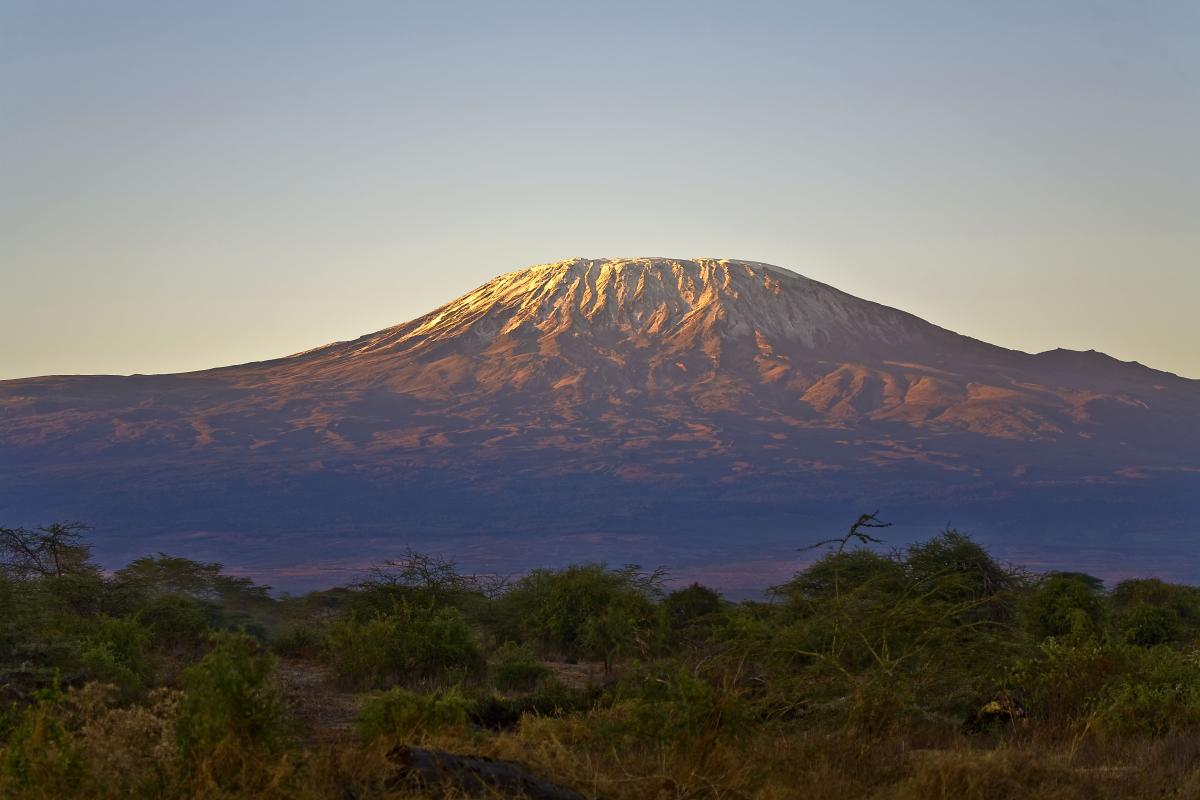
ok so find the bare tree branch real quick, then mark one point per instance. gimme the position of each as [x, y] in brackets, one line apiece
[856, 532]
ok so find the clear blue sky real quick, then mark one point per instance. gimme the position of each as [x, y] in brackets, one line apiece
[191, 184]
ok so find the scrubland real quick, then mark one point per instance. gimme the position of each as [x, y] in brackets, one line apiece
[927, 672]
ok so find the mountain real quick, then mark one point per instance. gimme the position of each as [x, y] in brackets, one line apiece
[710, 414]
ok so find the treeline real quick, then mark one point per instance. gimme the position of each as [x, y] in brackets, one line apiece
[925, 672]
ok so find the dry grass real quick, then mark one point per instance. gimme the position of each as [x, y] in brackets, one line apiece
[129, 751]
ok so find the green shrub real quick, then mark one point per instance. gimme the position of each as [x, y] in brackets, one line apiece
[79, 594]
[1063, 680]
[1066, 605]
[691, 603]
[405, 647]
[1184, 600]
[689, 614]
[114, 651]
[1158, 695]
[586, 610]
[176, 620]
[231, 721]
[670, 703]
[305, 641]
[438, 645]
[1148, 626]
[404, 715]
[362, 652]
[515, 668]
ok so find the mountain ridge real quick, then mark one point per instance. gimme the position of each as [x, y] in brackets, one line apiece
[684, 388]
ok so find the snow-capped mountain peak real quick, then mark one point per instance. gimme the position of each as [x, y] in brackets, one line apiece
[659, 302]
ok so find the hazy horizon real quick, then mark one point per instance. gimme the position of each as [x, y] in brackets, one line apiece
[197, 186]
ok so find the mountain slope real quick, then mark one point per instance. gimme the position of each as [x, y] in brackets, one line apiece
[637, 383]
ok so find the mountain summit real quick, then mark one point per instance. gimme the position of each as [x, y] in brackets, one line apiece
[669, 337]
[609, 395]
[670, 304]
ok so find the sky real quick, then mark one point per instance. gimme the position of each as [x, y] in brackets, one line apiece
[186, 185]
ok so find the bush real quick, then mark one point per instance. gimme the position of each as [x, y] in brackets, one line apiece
[1148, 626]
[362, 652]
[115, 652]
[405, 647]
[1117, 688]
[515, 668]
[1062, 682]
[689, 614]
[1066, 605]
[671, 703]
[41, 758]
[587, 610]
[304, 641]
[231, 721]
[132, 751]
[1184, 600]
[402, 715]
[177, 621]
[1158, 695]
[686, 606]
[79, 744]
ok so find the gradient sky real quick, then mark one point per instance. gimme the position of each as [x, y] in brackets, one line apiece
[192, 184]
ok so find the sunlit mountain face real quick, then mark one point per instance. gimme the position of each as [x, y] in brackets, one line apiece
[709, 415]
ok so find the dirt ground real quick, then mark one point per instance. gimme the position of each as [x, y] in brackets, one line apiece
[325, 711]
[582, 675]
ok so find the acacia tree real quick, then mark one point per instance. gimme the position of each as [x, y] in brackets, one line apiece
[171, 575]
[51, 551]
[927, 627]
[421, 580]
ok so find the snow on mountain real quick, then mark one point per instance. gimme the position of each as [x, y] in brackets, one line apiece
[664, 301]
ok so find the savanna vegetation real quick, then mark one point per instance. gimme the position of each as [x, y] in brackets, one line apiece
[932, 671]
